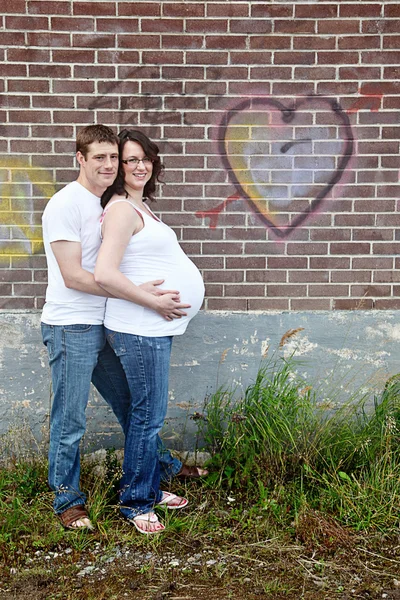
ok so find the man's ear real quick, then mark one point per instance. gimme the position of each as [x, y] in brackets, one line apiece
[80, 158]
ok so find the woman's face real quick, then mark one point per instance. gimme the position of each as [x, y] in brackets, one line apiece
[137, 174]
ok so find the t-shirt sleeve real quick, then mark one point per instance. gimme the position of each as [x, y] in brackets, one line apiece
[63, 222]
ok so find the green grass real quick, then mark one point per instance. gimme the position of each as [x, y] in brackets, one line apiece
[285, 470]
[278, 447]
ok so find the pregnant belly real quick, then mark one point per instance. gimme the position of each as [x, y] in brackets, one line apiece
[189, 282]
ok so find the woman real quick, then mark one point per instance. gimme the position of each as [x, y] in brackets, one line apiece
[138, 247]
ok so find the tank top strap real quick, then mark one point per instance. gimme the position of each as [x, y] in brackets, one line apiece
[116, 202]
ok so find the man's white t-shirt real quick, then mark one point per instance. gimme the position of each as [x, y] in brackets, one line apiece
[72, 214]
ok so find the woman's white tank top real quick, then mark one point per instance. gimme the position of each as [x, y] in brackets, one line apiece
[154, 253]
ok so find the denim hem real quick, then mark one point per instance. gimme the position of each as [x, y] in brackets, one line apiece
[69, 505]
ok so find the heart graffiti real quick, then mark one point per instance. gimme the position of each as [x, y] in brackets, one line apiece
[285, 160]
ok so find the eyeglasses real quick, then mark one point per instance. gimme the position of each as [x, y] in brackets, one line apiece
[135, 161]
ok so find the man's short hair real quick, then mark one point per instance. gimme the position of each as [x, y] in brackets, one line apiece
[94, 133]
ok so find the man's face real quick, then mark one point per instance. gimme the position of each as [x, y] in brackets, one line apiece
[99, 168]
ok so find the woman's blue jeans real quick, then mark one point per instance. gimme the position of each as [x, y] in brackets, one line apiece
[145, 361]
[79, 354]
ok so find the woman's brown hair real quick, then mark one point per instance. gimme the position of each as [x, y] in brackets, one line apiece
[151, 150]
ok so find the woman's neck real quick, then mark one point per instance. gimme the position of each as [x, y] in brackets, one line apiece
[135, 195]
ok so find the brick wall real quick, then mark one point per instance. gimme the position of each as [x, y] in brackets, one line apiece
[279, 128]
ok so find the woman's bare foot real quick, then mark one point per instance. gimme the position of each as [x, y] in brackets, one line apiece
[147, 523]
[172, 501]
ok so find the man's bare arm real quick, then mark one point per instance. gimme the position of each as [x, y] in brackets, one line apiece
[69, 259]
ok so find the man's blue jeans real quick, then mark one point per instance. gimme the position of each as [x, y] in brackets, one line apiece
[145, 361]
[79, 354]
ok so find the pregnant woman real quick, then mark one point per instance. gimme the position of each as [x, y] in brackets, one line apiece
[137, 247]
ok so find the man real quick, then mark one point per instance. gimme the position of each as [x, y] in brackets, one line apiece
[72, 321]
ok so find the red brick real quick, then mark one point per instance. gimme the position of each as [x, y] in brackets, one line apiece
[93, 40]
[126, 25]
[286, 290]
[272, 11]
[353, 304]
[244, 290]
[186, 9]
[29, 116]
[206, 88]
[142, 9]
[228, 9]
[17, 303]
[98, 9]
[162, 58]
[257, 88]
[182, 73]
[74, 56]
[386, 248]
[294, 88]
[28, 55]
[311, 249]
[391, 220]
[30, 146]
[387, 57]
[50, 71]
[351, 276]
[295, 58]
[222, 248]
[136, 73]
[350, 248]
[220, 42]
[208, 262]
[162, 25]
[345, 58]
[359, 42]
[267, 304]
[9, 275]
[286, 262]
[313, 11]
[358, 73]
[161, 87]
[14, 131]
[29, 289]
[371, 290]
[223, 276]
[223, 303]
[49, 8]
[94, 72]
[205, 58]
[266, 276]
[27, 23]
[360, 10]
[295, 27]
[139, 41]
[73, 87]
[380, 235]
[387, 304]
[13, 6]
[63, 116]
[308, 276]
[245, 262]
[310, 304]
[12, 38]
[270, 42]
[184, 132]
[355, 220]
[72, 24]
[250, 26]
[184, 42]
[386, 276]
[117, 56]
[314, 43]
[335, 26]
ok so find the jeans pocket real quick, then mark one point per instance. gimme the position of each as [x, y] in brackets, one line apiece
[79, 328]
[116, 341]
[48, 338]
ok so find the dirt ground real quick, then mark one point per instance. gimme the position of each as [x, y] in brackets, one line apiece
[265, 569]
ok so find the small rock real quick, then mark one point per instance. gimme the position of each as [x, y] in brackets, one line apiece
[13, 571]
[68, 551]
[211, 562]
[396, 582]
[174, 563]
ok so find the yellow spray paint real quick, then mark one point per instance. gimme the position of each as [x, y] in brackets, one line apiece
[22, 190]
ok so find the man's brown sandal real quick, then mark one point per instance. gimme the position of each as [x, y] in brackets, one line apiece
[187, 472]
[71, 517]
